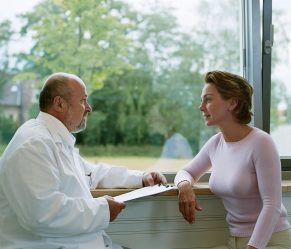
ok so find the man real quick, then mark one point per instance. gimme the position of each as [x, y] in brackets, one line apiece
[45, 200]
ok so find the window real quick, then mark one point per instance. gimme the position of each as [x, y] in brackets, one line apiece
[143, 62]
[154, 105]
[280, 120]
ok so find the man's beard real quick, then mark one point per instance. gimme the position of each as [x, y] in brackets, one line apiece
[77, 127]
[81, 126]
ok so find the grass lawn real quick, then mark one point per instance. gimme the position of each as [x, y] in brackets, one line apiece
[143, 163]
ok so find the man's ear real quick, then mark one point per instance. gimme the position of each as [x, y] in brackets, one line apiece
[232, 104]
[59, 104]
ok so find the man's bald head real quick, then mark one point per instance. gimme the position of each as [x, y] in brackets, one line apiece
[57, 84]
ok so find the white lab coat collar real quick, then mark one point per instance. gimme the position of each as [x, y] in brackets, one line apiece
[57, 129]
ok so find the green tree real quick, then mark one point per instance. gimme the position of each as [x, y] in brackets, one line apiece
[160, 94]
[220, 42]
[7, 129]
[81, 37]
[6, 34]
[145, 71]
[127, 99]
[192, 53]
[123, 101]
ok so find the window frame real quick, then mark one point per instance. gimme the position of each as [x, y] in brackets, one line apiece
[267, 42]
[256, 62]
[251, 53]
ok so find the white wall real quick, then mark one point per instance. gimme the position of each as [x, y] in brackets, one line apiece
[155, 223]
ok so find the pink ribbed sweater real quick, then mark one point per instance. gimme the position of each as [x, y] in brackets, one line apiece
[246, 175]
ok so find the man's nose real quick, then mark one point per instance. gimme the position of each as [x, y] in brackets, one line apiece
[88, 108]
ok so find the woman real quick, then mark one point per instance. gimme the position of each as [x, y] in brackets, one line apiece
[245, 165]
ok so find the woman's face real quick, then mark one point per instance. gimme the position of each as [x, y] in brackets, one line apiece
[216, 110]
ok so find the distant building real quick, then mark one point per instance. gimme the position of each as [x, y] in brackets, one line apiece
[16, 99]
[10, 102]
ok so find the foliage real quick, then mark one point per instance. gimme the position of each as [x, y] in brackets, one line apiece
[33, 110]
[5, 37]
[92, 134]
[2, 148]
[81, 37]
[143, 70]
[7, 129]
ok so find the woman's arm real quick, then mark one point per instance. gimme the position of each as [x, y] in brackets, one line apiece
[268, 172]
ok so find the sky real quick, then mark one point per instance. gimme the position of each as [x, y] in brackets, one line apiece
[9, 8]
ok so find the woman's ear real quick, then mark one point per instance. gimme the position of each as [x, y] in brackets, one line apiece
[232, 104]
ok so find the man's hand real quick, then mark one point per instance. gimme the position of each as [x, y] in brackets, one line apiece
[187, 201]
[152, 178]
[115, 207]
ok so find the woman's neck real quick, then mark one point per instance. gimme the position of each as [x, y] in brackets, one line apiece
[235, 132]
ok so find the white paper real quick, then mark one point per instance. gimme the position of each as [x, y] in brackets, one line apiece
[146, 191]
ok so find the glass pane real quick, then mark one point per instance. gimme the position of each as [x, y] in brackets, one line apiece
[143, 62]
[281, 87]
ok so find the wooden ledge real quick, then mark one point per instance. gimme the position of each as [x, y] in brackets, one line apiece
[200, 189]
[286, 186]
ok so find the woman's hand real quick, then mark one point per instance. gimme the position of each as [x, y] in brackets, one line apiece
[187, 201]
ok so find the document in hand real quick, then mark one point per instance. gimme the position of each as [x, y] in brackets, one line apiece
[146, 191]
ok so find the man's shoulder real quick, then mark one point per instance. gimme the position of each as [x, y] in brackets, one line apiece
[33, 129]
[31, 132]
[29, 139]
